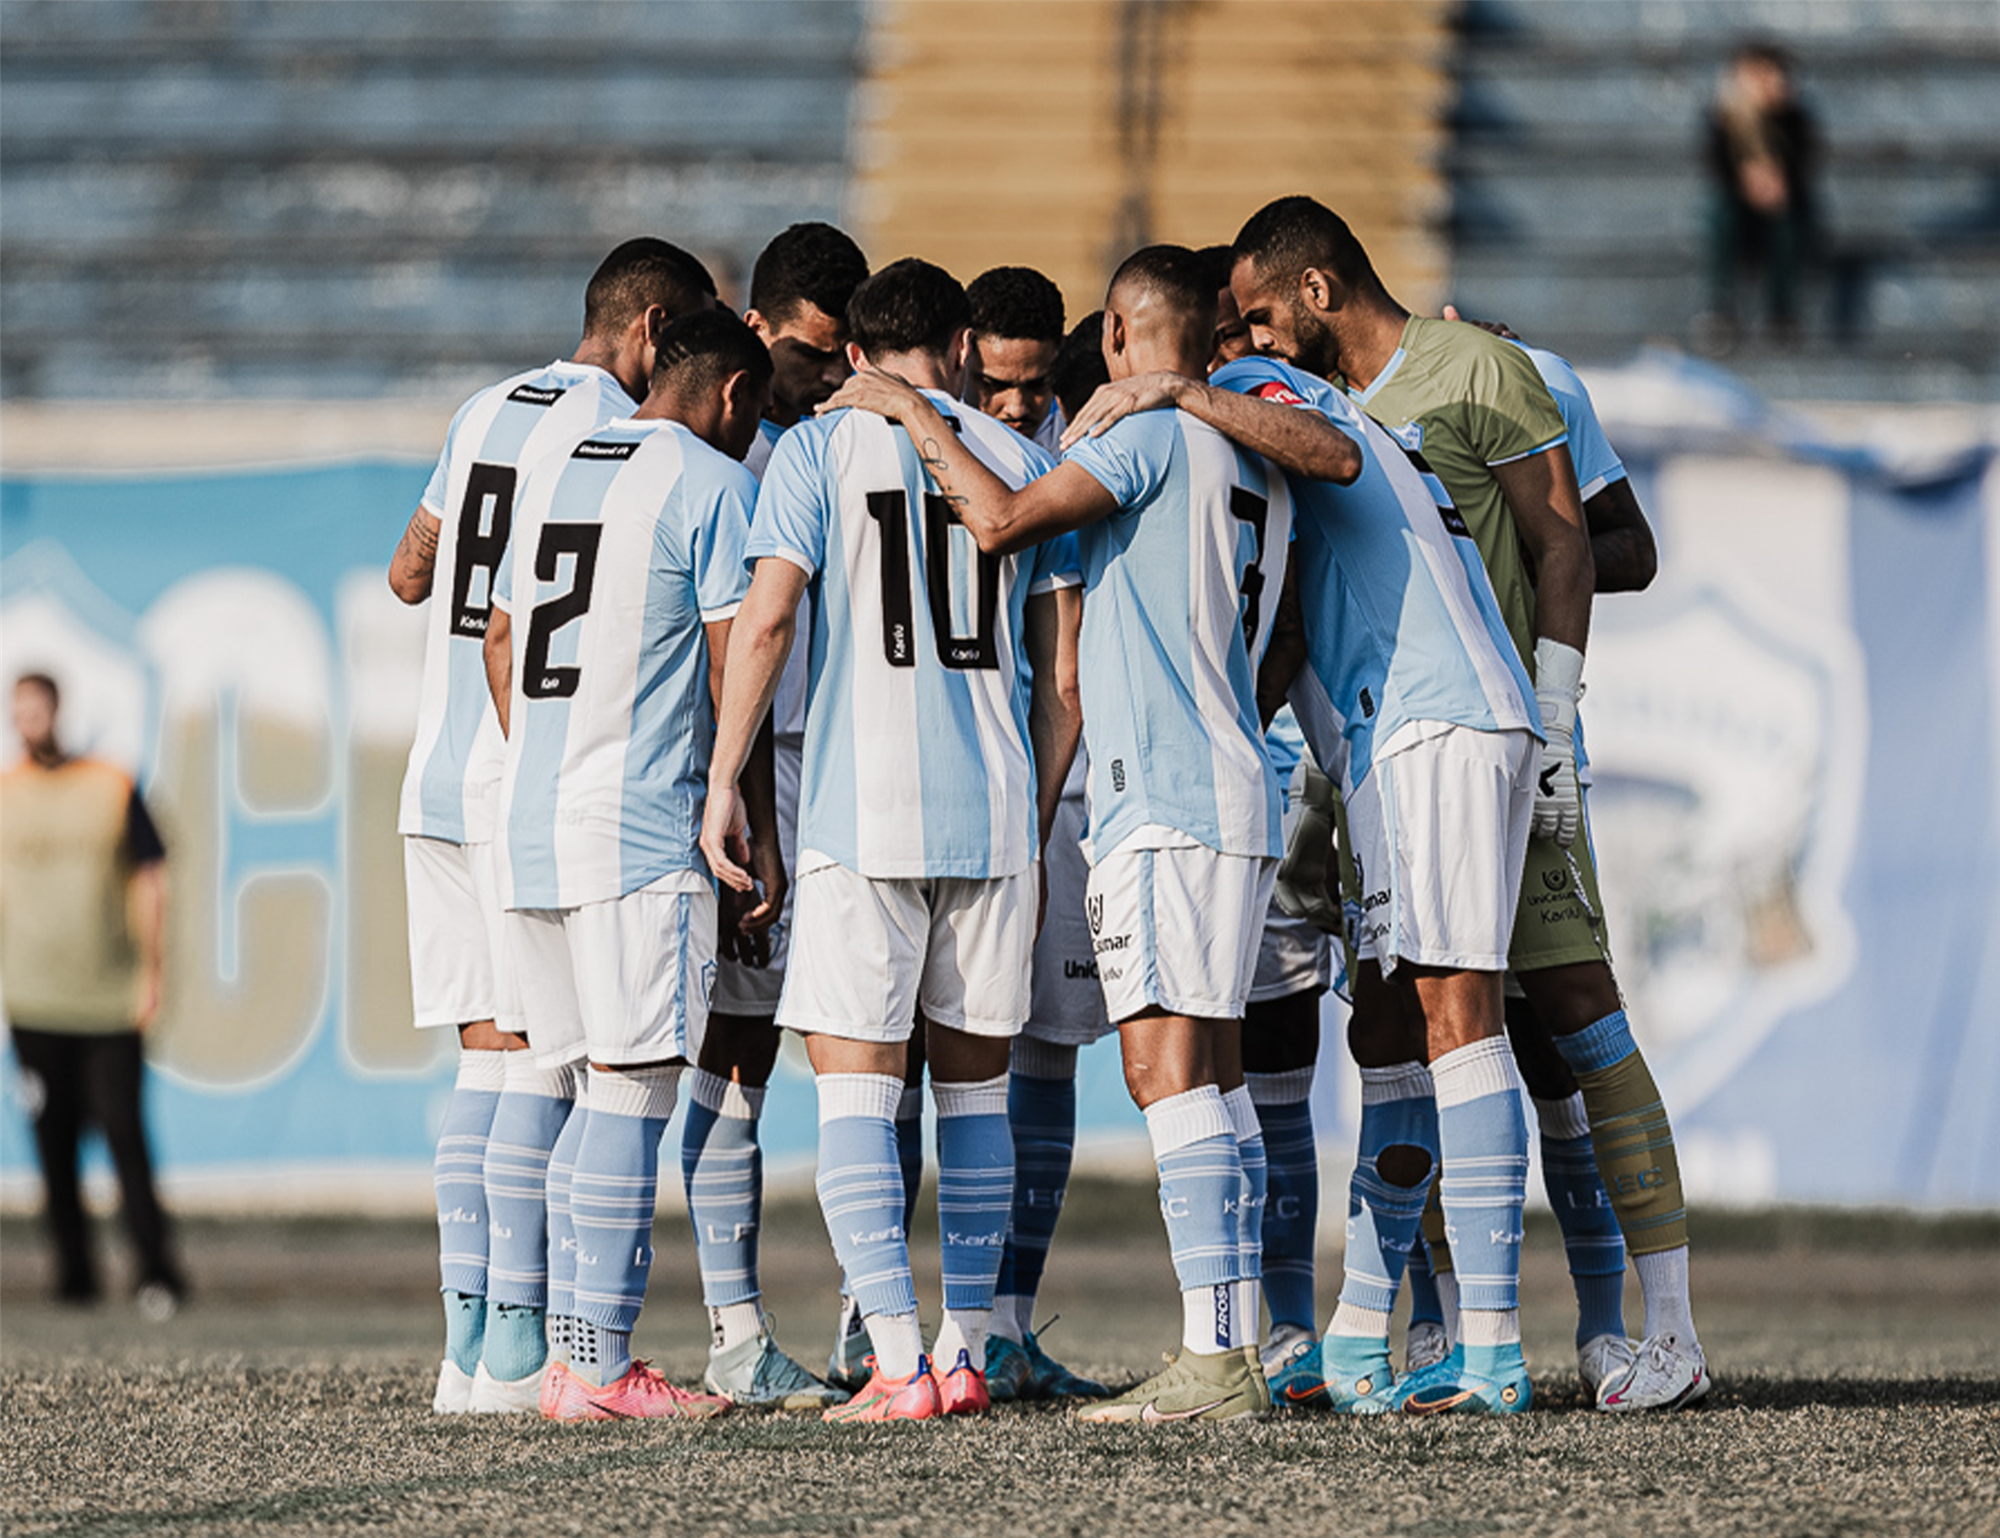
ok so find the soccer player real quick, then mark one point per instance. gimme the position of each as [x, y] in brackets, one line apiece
[938, 731]
[1281, 1024]
[631, 567]
[1409, 693]
[1181, 531]
[1066, 1013]
[1477, 411]
[457, 961]
[1017, 330]
[799, 288]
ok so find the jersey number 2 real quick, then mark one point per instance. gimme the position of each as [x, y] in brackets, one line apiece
[891, 511]
[539, 680]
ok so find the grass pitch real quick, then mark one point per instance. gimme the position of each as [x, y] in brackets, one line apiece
[1856, 1357]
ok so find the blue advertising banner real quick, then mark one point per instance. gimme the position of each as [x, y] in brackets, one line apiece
[1795, 746]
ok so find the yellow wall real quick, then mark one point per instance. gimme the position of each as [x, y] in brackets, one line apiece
[1011, 131]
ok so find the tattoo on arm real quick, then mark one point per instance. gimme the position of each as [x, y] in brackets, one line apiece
[933, 461]
[422, 537]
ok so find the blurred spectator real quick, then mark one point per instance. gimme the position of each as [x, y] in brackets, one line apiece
[82, 919]
[1763, 152]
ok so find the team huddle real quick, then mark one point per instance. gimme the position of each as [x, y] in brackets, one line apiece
[893, 666]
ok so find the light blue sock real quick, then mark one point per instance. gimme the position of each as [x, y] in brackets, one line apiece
[860, 1185]
[464, 1329]
[1250, 1208]
[517, 1341]
[459, 1173]
[910, 1150]
[533, 1109]
[1591, 1240]
[722, 1168]
[611, 1200]
[1042, 1113]
[1484, 1173]
[975, 1188]
[1201, 1186]
[562, 1232]
[1383, 1218]
[1291, 1207]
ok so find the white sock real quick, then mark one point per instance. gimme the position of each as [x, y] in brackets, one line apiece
[898, 1342]
[560, 1328]
[1663, 1278]
[734, 1323]
[964, 1329]
[1209, 1313]
[1490, 1327]
[1359, 1323]
[1010, 1315]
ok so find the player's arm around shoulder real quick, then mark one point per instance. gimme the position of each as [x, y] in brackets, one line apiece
[1277, 423]
[1000, 519]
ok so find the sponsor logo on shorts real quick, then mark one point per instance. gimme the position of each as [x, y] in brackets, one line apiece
[1074, 970]
[1093, 908]
[1555, 880]
[1118, 774]
[1110, 943]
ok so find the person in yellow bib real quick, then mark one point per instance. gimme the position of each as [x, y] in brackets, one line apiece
[82, 919]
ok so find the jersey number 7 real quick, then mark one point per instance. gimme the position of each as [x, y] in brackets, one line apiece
[891, 512]
[540, 680]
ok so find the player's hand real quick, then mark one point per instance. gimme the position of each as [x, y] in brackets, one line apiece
[1498, 327]
[768, 861]
[146, 1004]
[724, 844]
[1558, 687]
[750, 948]
[1119, 399]
[877, 390]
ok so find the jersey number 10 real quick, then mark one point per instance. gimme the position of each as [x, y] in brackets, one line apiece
[891, 512]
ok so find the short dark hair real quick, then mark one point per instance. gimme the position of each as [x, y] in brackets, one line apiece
[699, 351]
[909, 306]
[1016, 302]
[1175, 274]
[1284, 238]
[1079, 367]
[809, 263]
[1220, 261]
[639, 274]
[43, 682]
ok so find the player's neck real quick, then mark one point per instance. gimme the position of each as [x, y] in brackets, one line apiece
[925, 370]
[609, 355]
[1367, 331]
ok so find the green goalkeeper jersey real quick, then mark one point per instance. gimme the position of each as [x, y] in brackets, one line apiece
[1462, 401]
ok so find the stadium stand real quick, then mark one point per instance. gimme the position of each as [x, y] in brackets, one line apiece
[1578, 197]
[1060, 134]
[347, 199]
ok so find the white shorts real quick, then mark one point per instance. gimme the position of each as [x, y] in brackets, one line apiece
[460, 966]
[1067, 1003]
[868, 953]
[1440, 832]
[620, 982]
[753, 991]
[1176, 926]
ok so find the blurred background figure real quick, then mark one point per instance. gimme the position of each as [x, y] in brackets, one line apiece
[1762, 148]
[82, 917]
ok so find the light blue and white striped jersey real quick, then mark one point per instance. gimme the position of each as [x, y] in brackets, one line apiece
[1180, 587]
[451, 790]
[1597, 463]
[1401, 621]
[917, 762]
[788, 705]
[1286, 744]
[630, 540]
